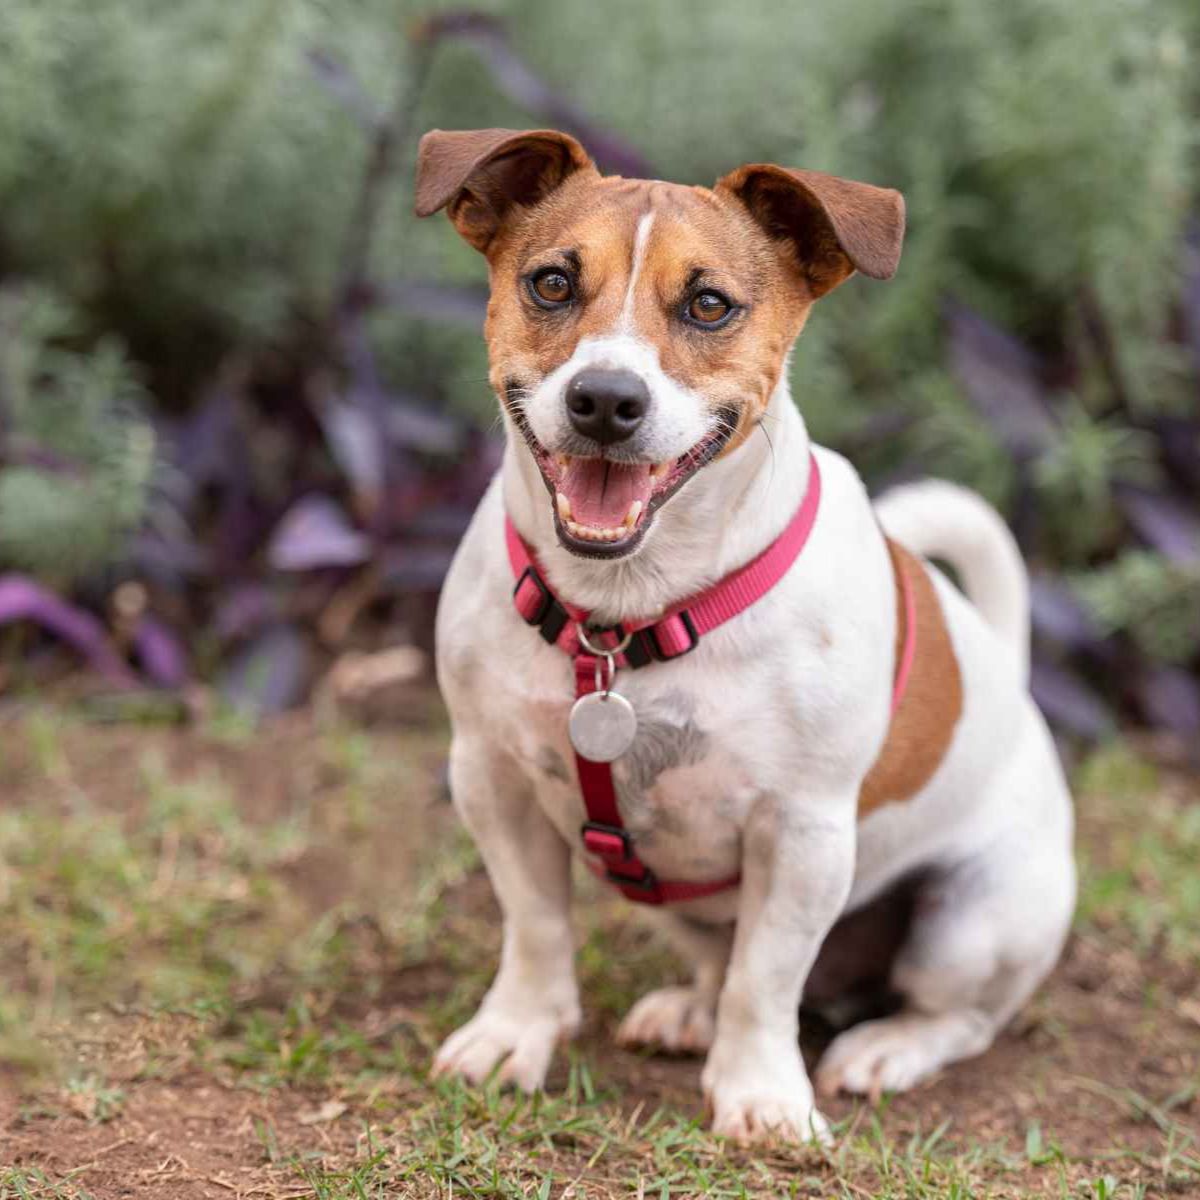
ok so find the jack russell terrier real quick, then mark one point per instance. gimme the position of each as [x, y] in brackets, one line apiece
[680, 640]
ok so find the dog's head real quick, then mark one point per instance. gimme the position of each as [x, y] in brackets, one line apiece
[637, 329]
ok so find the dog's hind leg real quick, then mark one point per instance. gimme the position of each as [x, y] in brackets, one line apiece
[682, 1020]
[985, 933]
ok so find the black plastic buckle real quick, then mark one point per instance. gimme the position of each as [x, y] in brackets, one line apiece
[646, 882]
[550, 617]
[640, 650]
[659, 653]
[543, 591]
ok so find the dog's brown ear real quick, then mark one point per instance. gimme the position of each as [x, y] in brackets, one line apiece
[480, 174]
[833, 226]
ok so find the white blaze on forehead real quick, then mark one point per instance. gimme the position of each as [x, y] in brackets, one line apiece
[640, 238]
[677, 418]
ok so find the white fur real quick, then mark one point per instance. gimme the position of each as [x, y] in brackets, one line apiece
[750, 756]
[640, 239]
[941, 520]
[675, 421]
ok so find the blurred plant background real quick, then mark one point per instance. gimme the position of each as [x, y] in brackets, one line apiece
[243, 407]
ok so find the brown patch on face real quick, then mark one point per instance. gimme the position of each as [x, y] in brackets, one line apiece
[771, 239]
[923, 725]
[586, 228]
[481, 175]
[832, 226]
[698, 241]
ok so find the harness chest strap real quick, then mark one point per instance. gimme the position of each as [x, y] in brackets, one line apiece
[670, 636]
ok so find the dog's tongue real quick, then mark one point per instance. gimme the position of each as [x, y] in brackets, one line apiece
[601, 492]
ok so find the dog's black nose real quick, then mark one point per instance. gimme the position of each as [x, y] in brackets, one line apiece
[607, 405]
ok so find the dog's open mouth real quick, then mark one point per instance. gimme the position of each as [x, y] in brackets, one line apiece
[603, 506]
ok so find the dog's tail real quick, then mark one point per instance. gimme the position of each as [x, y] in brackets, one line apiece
[945, 521]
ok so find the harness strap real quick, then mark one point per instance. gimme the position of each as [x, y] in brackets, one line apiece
[670, 636]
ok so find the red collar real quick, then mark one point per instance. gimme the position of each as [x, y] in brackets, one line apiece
[682, 627]
[660, 640]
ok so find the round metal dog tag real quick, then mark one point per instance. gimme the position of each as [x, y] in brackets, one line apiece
[602, 726]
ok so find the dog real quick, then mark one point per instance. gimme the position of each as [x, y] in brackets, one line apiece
[727, 680]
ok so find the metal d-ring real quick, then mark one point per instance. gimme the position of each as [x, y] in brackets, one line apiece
[599, 651]
[603, 688]
[607, 655]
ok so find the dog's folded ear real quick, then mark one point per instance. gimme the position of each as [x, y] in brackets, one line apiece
[830, 226]
[481, 174]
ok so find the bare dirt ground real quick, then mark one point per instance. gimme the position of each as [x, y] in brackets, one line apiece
[229, 985]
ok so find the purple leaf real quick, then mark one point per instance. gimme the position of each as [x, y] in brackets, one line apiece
[356, 443]
[524, 87]
[207, 446]
[160, 653]
[315, 533]
[23, 600]
[1068, 704]
[1170, 699]
[440, 522]
[244, 611]
[1164, 522]
[1058, 615]
[1179, 442]
[417, 428]
[270, 674]
[169, 559]
[1001, 378]
[415, 568]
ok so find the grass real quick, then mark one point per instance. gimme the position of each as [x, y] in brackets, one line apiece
[1141, 875]
[287, 922]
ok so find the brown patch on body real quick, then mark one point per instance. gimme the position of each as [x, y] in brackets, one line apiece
[923, 725]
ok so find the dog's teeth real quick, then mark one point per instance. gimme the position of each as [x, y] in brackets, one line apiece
[563, 460]
[635, 511]
[564, 506]
[595, 533]
[658, 469]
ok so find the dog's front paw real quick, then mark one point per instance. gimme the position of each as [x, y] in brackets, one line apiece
[524, 1042]
[758, 1099]
[678, 1019]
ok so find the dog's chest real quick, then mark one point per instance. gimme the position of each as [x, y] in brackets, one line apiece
[683, 787]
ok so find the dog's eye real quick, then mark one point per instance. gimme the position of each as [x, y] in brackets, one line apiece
[551, 288]
[709, 308]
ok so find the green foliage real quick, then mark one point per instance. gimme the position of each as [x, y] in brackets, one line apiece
[1075, 475]
[1150, 597]
[1140, 875]
[79, 458]
[182, 177]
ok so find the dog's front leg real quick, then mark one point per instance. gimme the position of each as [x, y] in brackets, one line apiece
[533, 1001]
[797, 868]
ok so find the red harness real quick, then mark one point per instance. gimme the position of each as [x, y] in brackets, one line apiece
[670, 636]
